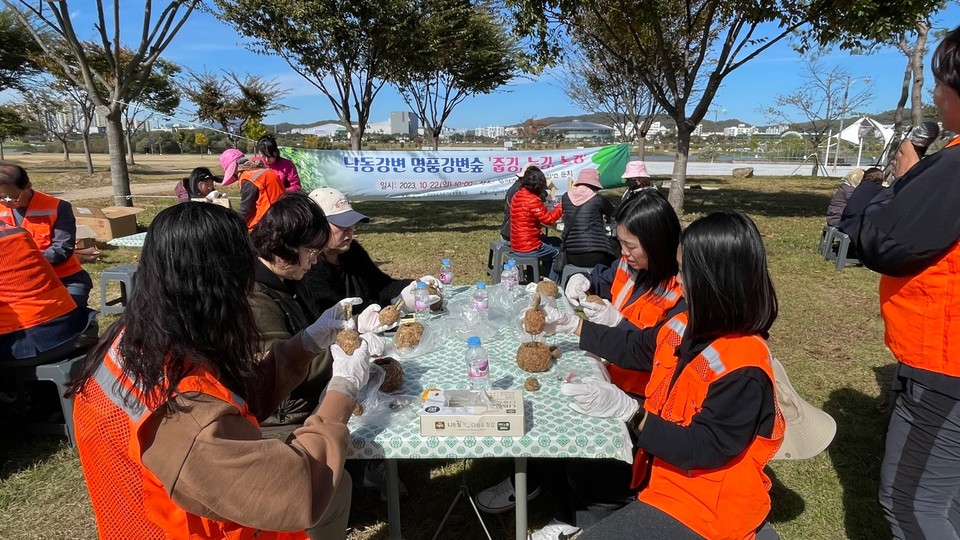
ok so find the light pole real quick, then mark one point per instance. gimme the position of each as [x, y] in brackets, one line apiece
[843, 111]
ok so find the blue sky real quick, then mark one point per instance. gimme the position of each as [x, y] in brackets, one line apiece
[206, 43]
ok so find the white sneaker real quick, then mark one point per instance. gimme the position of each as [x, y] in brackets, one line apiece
[556, 530]
[501, 497]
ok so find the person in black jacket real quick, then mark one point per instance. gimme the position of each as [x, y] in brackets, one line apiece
[585, 213]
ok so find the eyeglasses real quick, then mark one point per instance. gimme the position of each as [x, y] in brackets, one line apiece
[9, 200]
[313, 252]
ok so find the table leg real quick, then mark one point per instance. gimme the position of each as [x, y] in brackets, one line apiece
[520, 491]
[393, 499]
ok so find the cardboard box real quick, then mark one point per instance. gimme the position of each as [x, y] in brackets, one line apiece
[458, 413]
[86, 238]
[222, 201]
[110, 222]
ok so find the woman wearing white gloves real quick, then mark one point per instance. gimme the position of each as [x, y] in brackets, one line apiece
[344, 269]
[287, 241]
[166, 407]
[709, 424]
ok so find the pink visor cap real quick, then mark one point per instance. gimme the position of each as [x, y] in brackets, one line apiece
[230, 159]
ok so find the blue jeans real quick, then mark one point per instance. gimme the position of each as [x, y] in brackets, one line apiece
[546, 253]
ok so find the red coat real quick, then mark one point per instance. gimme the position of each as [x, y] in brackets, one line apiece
[527, 213]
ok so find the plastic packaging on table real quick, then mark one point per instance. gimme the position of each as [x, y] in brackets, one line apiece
[431, 340]
[384, 409]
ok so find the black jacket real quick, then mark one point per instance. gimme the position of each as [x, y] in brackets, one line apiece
[584, 226]
[357, 275]
[505, 225]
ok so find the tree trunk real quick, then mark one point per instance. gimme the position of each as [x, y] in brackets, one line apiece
[435, 138]
[66, 149]
[679, 177]
[1, 149]
[642, 147]
[815, 171]
[86, 150]
[129, 136]
[119, 173]
[904, 95]
[916, 95]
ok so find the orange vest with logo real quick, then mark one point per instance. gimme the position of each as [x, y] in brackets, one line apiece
[30, 291]
[921, 314]
[730, 502]
[270, 186]
[128, 500]
[644, 312]
[38, 220]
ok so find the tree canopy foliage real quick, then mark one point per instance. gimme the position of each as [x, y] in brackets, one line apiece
[18, 51]
[232, 102]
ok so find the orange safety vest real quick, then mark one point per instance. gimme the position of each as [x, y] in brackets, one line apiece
[38, 220]
[644, 312]
[730, 502]
[29, 289]
[128, 499]
[921, 314]
[270, 186]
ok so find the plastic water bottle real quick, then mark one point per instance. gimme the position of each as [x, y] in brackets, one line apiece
[480, 300]
[478, 365]
[509, 275]
[421, 301]
[446, 275]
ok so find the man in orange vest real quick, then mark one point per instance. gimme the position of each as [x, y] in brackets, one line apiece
[260, 186]
[909, 232]
[51, 223]
[38, 318]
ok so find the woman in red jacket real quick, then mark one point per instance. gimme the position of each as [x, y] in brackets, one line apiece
[527, 214]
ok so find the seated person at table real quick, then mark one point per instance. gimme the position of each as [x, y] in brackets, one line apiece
[51, 223]
[167, 405]
[585, 214]
[260, 187]
[511, 191]
[710, 422]
[199, 185]
[344, 269]
[644, 281]
[269, 153]
[849, 183]
[287, 242]
[527, 215]
[637, 178]
[38, 318]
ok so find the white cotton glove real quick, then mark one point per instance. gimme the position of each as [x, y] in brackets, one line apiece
[577, 288]
[432, 282]
[375, 343]
[408, 294]
[352, 369]
[561, 321]
[214, 195]
[369, 321]
[531, 287]
[604, 313]
[323, 332]
[600, 399]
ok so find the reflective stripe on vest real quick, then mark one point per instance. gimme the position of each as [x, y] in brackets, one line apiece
[29, 288]
[623, 282]
[39, 219]
[129, 501]
[730, 502]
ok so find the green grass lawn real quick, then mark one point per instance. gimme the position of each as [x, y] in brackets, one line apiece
[829, 336]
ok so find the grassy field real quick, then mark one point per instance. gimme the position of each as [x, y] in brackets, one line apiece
[829, 335]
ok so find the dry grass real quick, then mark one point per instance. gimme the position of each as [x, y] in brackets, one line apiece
[829, 335]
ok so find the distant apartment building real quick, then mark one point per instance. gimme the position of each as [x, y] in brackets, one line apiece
[778, 129]
[492, 132]
[322, 130]
[404, 123]
[698, 131]
[740, 129]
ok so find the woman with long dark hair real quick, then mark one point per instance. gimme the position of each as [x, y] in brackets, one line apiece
[710, 422]
[167, 405]
[527, 215]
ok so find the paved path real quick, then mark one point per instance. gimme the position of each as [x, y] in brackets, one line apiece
[151, 188]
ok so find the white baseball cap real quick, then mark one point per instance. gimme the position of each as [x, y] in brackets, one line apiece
[337, 208]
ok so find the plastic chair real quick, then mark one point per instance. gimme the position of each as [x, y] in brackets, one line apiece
[568, 272]
[495, 259]
[532, 262]
[825, 236]
[28, 377]
[125, 274]
[842, 242]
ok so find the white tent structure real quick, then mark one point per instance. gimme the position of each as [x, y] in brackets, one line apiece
[857, 131]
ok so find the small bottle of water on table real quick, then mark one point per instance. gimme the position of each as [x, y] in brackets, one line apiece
[478, 365]
[481, 304]
[446, 275]
[421, 301]
[509, 276]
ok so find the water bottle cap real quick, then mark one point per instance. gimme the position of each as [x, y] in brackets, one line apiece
[473, 341]
[421, 285]
[481, 284]
[444, 261]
